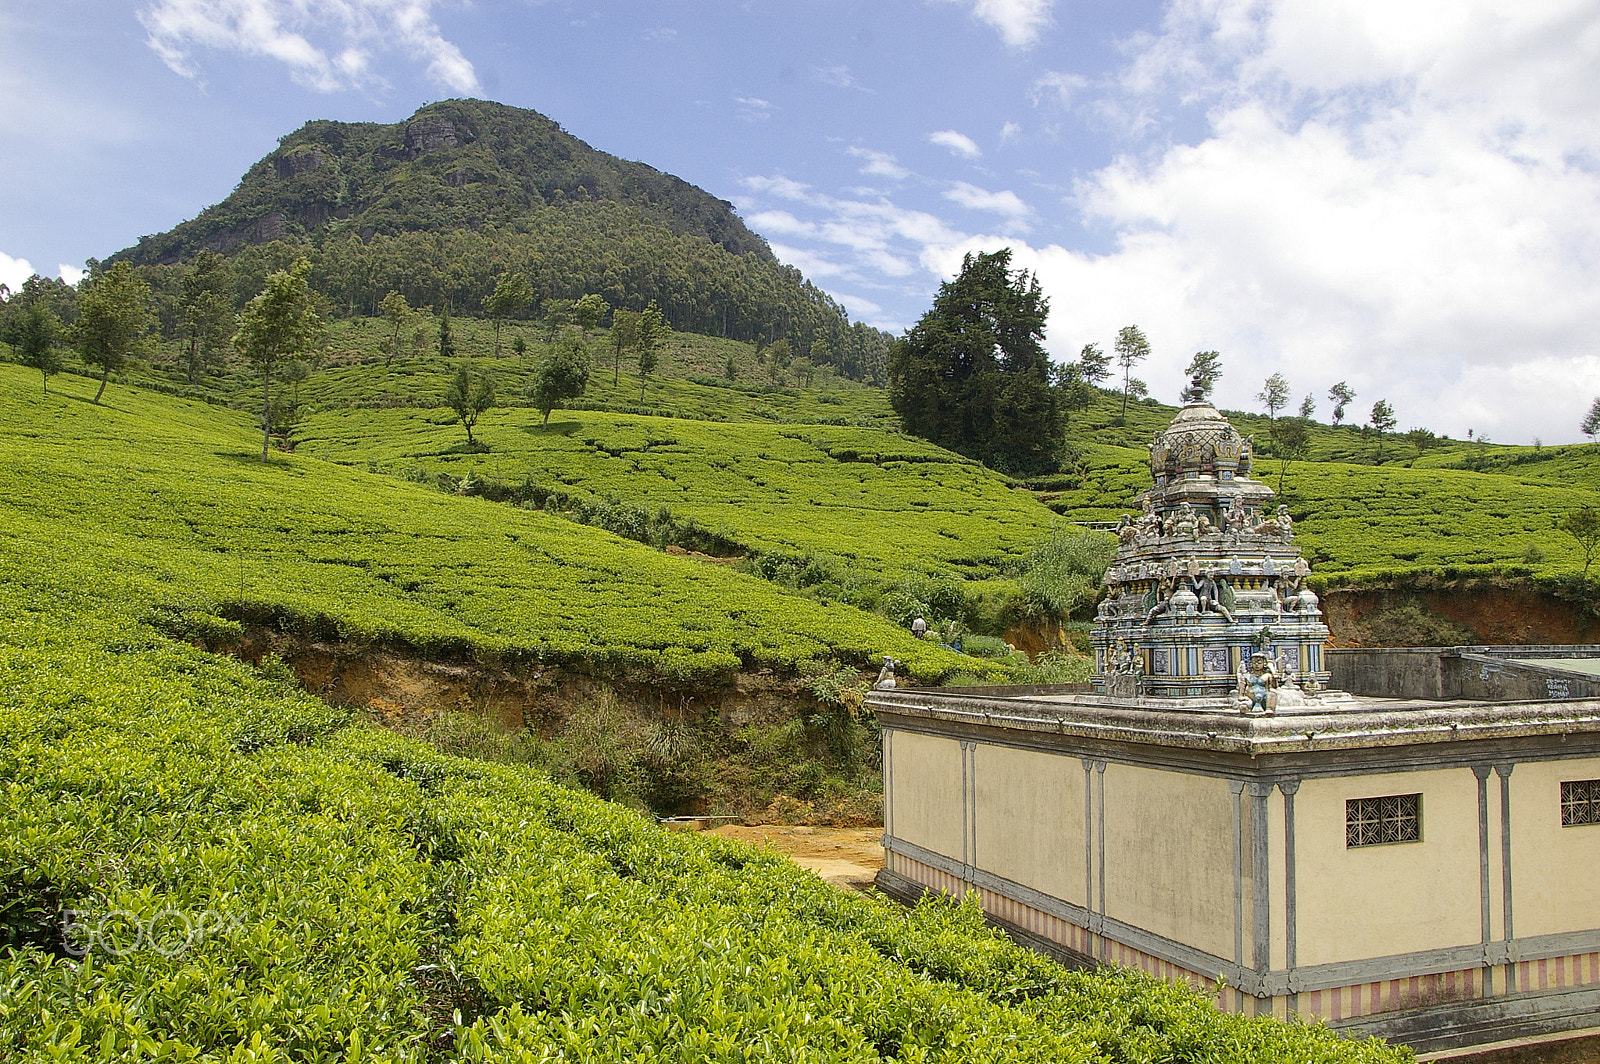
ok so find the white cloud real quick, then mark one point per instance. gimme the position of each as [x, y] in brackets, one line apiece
[753, 108]
[1010, 132]
[957, 143]
[660, 33]
[839, 77]
[974, 198]
[880, 164]
[1019, 22]
[1057, 87]
[284, 30]
[1408, 199]
[70, 274]
[14, 271]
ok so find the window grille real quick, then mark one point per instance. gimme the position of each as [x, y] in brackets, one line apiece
[1378, 821]
[1580, 803]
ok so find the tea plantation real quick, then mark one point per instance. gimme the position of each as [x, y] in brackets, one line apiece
[158, 502]
[866, 496]
[246, 875]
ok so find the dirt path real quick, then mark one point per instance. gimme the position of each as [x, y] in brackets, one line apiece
[845, 857]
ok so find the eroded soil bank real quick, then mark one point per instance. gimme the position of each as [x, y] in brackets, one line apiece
[760, 748]
[1510, 612]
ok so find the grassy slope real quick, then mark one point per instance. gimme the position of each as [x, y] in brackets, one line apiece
[877, 499]
[161, 501]
[312, 890]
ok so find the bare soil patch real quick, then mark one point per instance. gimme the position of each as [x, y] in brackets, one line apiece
[845, 857]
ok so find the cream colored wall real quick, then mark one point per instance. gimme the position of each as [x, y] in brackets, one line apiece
[1029, 819]
[925, 783]
[1169, 855]
[1375, 901]
[1555, 871]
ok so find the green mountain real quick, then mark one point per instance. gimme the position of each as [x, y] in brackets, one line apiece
[460, 164]
[438, 206]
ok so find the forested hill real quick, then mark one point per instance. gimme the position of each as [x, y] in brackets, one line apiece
[436, 207]
[460, 164]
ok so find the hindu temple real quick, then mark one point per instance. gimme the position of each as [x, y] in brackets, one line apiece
[1207, 596]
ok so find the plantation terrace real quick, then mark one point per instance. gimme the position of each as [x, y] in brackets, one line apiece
[1397, 842]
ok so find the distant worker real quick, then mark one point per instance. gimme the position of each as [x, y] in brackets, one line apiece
[919, 627]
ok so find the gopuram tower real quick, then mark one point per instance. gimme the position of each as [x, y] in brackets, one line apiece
[1207, 596]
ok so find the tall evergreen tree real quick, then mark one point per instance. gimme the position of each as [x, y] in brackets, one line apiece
[973, 376]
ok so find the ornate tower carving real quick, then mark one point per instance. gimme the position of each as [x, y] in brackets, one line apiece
[1207, 577]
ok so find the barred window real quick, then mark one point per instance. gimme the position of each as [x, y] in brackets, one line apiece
[1580, 803]
[1377, 821]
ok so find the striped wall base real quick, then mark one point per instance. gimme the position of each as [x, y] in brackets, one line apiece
[1015, 914]
[1354, 1006]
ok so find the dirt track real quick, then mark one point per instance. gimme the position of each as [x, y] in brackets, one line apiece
[845, 857]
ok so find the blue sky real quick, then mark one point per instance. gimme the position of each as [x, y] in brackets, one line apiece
[1404, 196]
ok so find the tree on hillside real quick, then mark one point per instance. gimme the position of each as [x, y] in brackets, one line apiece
[1591, 421]
[114, 318]
[564, 373]
[558, 314]
[1340, 395]
[1131, 348]
[280, 323]
[1382, 421]
[1274, 395]
[397, 312]
[1291, 442]
[1072, 391]
[1205, 367]
[511, 293]
[33, 331]
[1094, 365]
[590, 311]
[1422, 440]
[205, 313]
[1583, 525]
[447, 342]
[651, 330]
[973, 375]
[624, 333]
[469, 394]
[1308, 406]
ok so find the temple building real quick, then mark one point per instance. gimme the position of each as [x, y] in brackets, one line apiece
[1401, 843]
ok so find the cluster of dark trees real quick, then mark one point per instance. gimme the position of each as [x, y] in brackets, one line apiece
[972, 375]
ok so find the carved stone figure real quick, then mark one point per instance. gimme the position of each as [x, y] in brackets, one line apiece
[1127, 534]
[1185, 523]
[1256, 687]
[886, 675]
[1209, 590]
[1234, 517]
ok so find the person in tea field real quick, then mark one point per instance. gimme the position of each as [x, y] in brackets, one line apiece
[919, 627]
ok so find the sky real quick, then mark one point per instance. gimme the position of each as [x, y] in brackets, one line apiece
[1402, 196]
